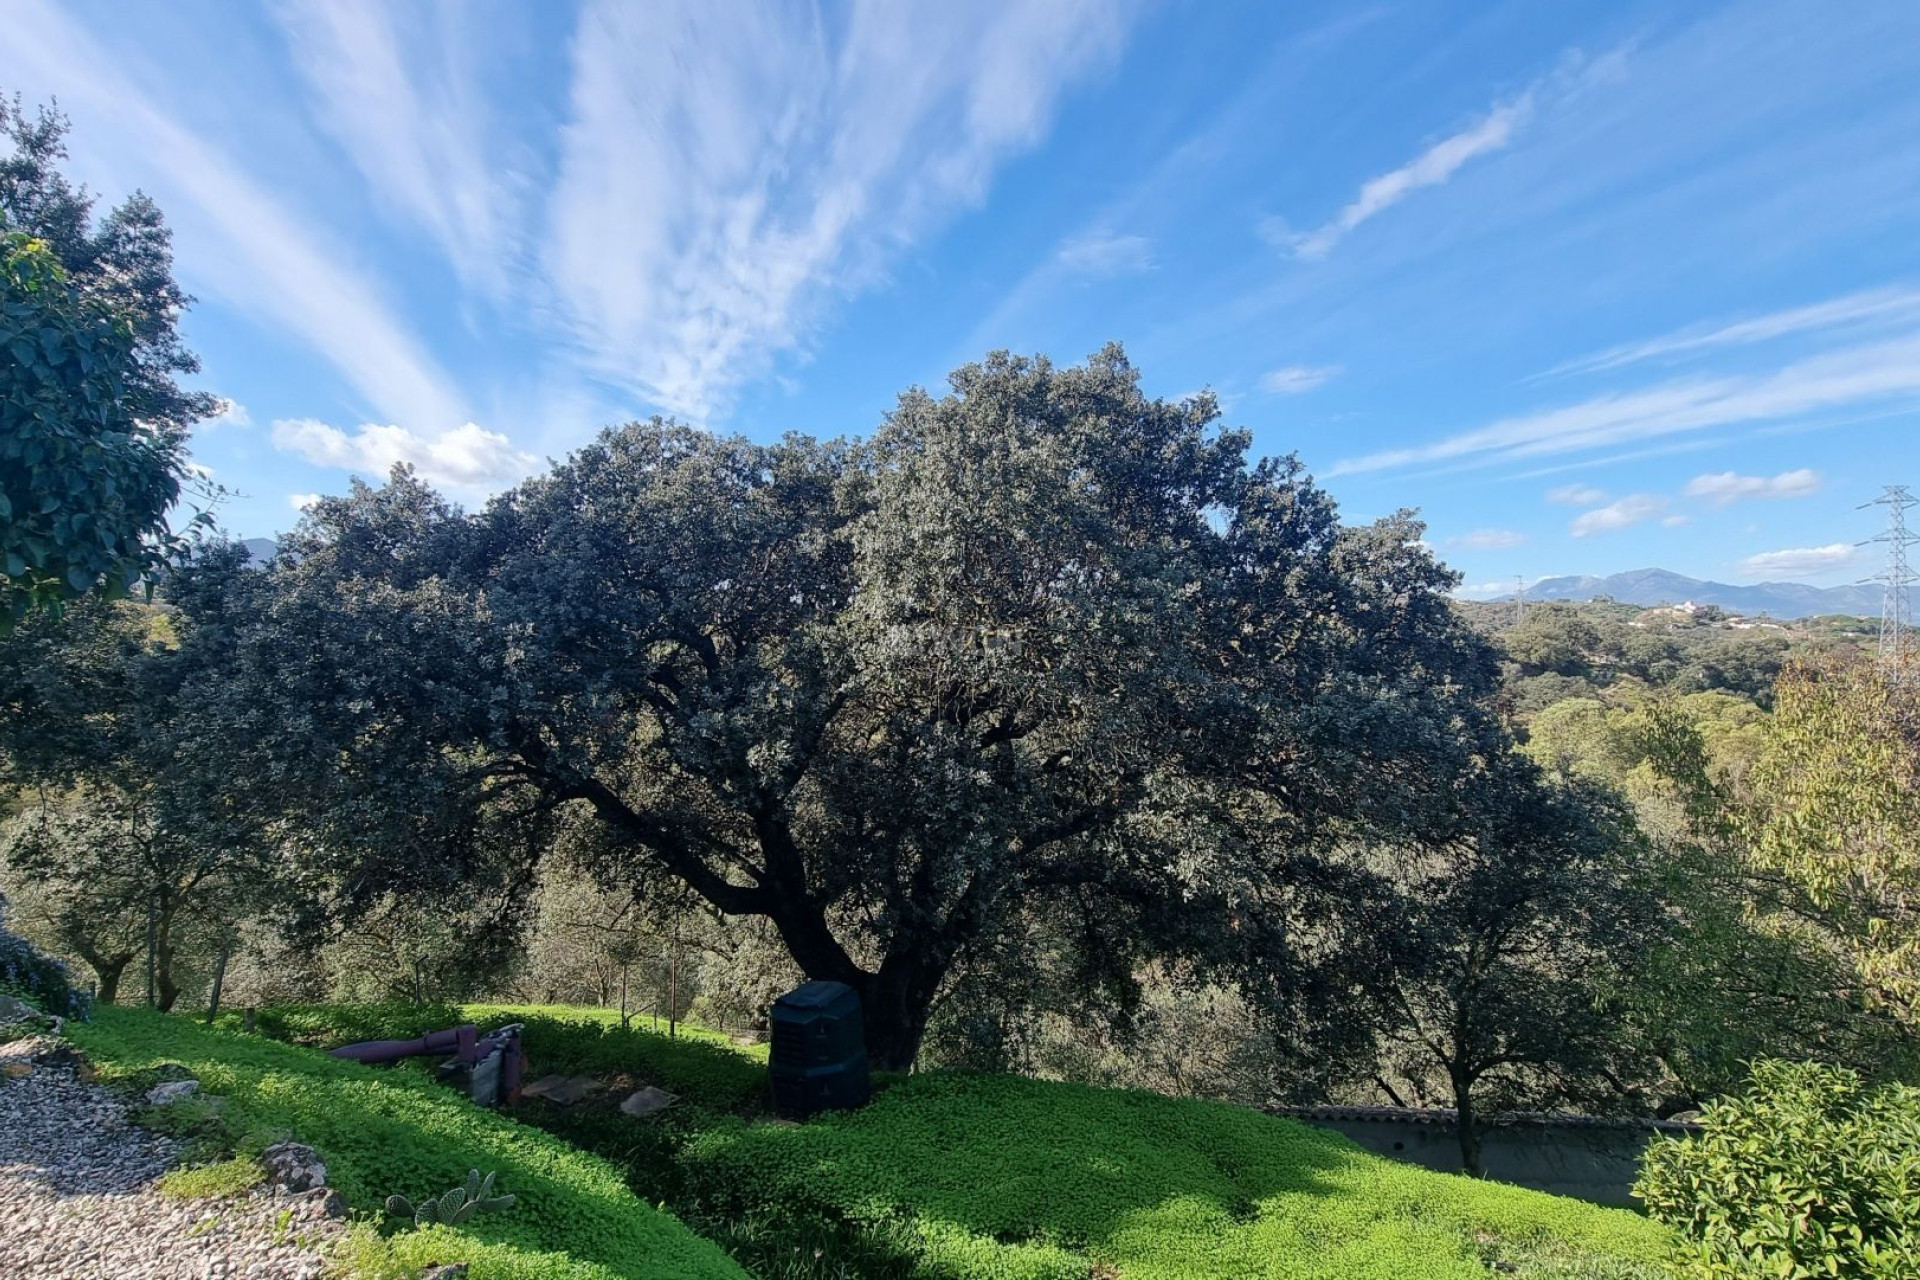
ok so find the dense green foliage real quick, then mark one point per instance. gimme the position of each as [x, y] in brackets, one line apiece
[129, 838]
[1809, 1173]
[396, 1132]
[92, 426]
[1837, 810]
[1044, 670]
[1500, 951]
[84, 486]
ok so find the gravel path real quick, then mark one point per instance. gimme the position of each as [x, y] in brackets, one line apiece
[77, 1200]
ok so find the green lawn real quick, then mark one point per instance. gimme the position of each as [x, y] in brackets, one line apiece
[386, 1132]
[960, 1177]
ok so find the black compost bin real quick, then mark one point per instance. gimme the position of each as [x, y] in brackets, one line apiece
[817, 1054]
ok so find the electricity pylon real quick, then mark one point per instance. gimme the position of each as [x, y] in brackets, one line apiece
[1896, 609]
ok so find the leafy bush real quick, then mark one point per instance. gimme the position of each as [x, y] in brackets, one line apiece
[1809, 1173]
[383, 1131]
[39, 979]
[1004, 1177]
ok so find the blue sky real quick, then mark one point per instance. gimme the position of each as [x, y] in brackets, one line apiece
[1594, 285]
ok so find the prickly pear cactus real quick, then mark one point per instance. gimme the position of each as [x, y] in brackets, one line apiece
[455, 1206]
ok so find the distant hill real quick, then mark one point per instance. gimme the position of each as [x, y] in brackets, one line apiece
[1662, 586]
[260, 550]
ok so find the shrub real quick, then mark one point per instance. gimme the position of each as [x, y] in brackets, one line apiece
[37, 978]
[1809, 1173]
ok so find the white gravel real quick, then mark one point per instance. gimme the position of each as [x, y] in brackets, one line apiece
[78, 1201]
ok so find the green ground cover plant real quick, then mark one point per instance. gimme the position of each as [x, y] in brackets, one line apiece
[391, 1132]
[1005, 1177]
[1808, 1173]
[971, 1177]
[231, 1177]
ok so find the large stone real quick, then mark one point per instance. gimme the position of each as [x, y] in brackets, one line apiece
[445, 1271]
[45, 1051]
[16, 1010]
[319, 1204]
[294, 1166]
[168, 1092]
[563, 1090]
[647, 1101]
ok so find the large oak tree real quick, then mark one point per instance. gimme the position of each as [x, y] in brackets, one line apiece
[1041, 644]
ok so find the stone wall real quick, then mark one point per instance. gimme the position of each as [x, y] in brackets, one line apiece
[1592, 1158]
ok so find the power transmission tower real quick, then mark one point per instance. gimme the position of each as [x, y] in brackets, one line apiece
[1896, 609]
[1519, 599]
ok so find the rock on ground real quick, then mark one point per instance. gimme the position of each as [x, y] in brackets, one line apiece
[78, 1200]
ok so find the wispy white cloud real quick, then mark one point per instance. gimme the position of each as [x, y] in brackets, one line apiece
[301, 501]
[1293, 379]
[1097, 254]
[230, 413]
[1888, 304]
[468, 457]
[1852, 376]
[1619, 514]
[1488, 539]
[1800, 562]
[232, 235]
[1576, 495]
[1430, 168]
[726, 172]
[400, 87]
[1724, 488]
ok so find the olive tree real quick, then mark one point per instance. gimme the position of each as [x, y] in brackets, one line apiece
[129, 835]
[1504, 941]
[1042, 643]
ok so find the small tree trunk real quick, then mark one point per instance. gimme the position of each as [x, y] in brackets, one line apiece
[219, 977]
[107, 971]
[152, 931]
[1468, 1125]
[673, 993]
[166, 988]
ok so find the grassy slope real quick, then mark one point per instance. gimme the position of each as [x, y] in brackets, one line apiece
[1007, 1177]
[383, 1132]
[1002, 1177]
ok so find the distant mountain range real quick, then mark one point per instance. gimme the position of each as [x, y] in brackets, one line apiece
[1662, 586]
[260, 550]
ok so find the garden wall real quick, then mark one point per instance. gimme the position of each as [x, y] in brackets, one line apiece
[1594, 1158]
